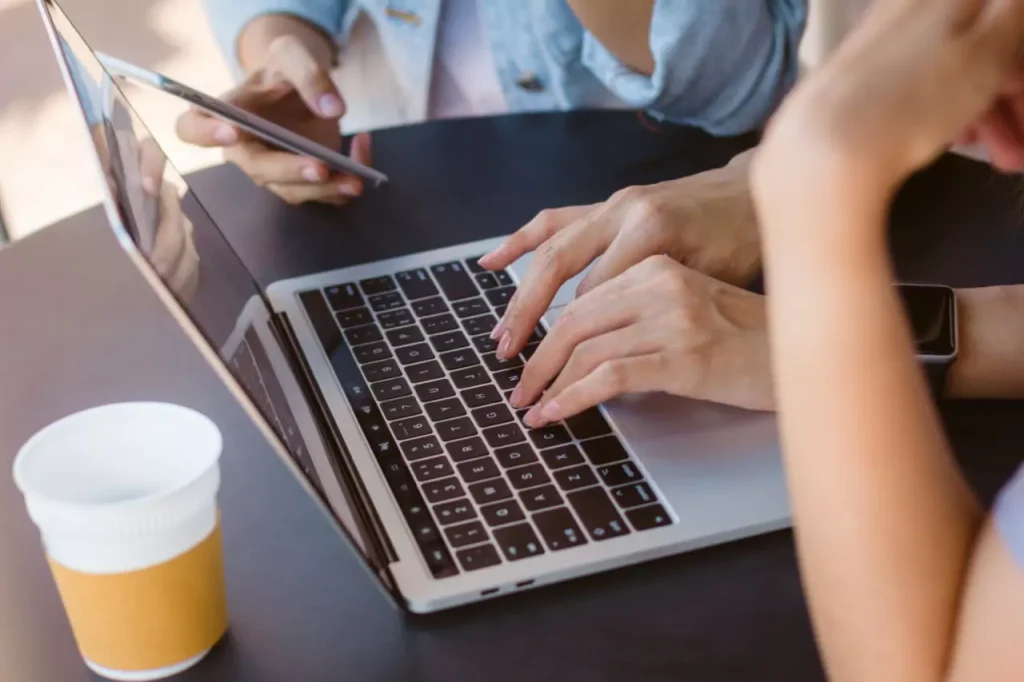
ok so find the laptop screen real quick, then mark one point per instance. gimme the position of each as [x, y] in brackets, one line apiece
[169, 227]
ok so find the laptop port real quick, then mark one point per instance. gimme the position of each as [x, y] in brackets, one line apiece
[525, 583]
[487, 593]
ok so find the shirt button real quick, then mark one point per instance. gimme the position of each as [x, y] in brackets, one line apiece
[529, 83]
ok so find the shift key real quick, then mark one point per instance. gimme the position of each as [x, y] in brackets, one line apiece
[597, 513]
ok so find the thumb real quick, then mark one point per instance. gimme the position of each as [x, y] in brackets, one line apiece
[293, 62]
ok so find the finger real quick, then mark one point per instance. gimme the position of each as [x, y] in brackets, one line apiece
[326, 193]
[610, 380]
[998, 137]
[170, 241]
[362, 151]
[533, 234]
[588, 356]
[629, 247]
[605, 309]
[267, 166]
[197, 127]
[151, 166]
[290, 59]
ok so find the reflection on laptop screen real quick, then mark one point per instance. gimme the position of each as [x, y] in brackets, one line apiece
[165, 222]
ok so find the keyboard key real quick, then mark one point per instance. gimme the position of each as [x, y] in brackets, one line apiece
[518, 542]
[413, 427]
[486, 280]
[496, 365]
[360, 335]
[470, 376]
[455, 429]
[541, 498]
[649, 517]
[503, 278]
[473, 265]
[561, 457]
[575, 477]
[468, 449]
[455, 512]
[500, 296]
[500, 310]
[429, 306]
[597, 514]
[395, 318]
[439, 561]
[412, 504]
[459, 359]
[471, 307]
[354, 317]
[425, 371]
[485, 344]
[377, 285]
[371, 352]
[435, 390]
[588, 424]
[404, 336]
[619, 474]
[394, 469]
[466, 534]
[390, 389]
[530, 349]
[501, 513]
[601, 451]
[397, 409]
[633, 495]
[484, 324]
[559, 529]
[421, 448]
[439, 324]
[529, 476]
[379, 371]
[478, 557]
[454, 281]
[492, 415]
[490, 491]
[430, 469]
[409, 355]
[508, 379]
[506, 434]
[443, 490]
[416, 284]
[344, 296]
[483, 395]
[479, 470]
[550, 436]
[445, 409]
[384, 302]
[425, 531]
[449, 341]
[515, 455]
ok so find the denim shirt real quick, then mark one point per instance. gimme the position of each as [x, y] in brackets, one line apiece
[721, 65]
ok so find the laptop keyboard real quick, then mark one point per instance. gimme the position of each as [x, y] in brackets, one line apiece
[476, 487]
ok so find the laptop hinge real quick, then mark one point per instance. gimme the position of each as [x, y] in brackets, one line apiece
[339, 454]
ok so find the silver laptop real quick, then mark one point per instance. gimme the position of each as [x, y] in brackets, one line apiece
[379, 387]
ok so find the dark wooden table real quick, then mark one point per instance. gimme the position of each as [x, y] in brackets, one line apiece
[78, 327]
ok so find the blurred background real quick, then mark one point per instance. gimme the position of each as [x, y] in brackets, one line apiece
[43, 153]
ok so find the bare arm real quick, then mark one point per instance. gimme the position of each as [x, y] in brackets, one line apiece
[623, 27]
[991, 359]
[259, 35]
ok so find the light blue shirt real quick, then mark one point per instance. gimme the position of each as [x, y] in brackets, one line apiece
[1009, 515]
[720, 65]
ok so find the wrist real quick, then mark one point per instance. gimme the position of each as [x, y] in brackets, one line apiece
[257, 38]
[989, 361]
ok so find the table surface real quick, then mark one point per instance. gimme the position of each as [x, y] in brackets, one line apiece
[80, 328]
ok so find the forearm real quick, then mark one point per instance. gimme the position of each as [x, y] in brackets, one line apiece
[990, 362]
[883, 519]
[622, 27]
[257, 37]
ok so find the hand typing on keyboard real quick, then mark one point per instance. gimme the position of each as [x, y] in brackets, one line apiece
[657, 327]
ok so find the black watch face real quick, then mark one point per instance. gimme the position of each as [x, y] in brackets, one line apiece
[931, 312]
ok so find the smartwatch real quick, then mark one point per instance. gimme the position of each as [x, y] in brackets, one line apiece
[931, 310]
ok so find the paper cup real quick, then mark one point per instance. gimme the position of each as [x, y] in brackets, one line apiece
[125, 500]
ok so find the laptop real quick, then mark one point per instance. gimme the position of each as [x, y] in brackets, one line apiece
[379, 388]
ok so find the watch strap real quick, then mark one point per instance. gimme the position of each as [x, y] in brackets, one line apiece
[937, 373]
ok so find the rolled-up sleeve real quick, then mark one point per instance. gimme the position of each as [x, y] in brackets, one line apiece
[1009, 515]
[720, 65]
[227, 18]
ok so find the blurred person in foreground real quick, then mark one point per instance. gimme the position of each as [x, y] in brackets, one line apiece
[310, 64]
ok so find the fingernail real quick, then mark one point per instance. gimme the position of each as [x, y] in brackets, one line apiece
[311, 174]
[552, 412]
[505, 346]
[534, 417]
[348, 190]
[517, 395]
[498, 329]
[330, 105]
[225, 135]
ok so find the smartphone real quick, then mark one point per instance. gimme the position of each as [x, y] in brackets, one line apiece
[260, 127]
